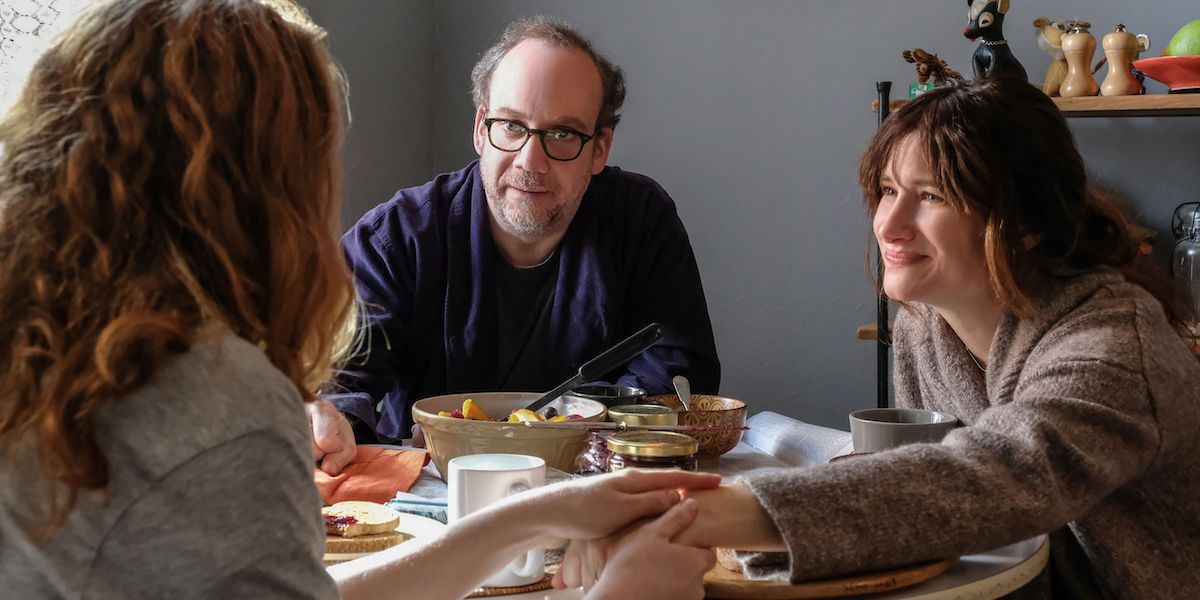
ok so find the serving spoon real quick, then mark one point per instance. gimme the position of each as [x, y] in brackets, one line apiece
[608, 360]
[684, 389]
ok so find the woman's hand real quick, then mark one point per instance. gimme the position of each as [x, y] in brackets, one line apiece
[477, 545]
[729, 517]
[598, 506]
[642, 561]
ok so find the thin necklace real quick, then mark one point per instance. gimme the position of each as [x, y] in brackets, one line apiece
[976, 361]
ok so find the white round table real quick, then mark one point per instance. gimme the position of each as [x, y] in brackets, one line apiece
[983, 576]
[974, 577]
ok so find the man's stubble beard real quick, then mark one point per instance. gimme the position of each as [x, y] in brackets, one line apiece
[523, 217]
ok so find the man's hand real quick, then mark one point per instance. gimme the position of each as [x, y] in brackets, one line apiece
[333, 438]
[632, 561]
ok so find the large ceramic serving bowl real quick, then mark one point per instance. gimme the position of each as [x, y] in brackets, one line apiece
[448, 437]
[709, 411]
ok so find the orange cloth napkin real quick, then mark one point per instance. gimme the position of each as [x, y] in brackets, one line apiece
[375, 474]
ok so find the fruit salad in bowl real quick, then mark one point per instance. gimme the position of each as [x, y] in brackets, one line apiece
[449, 435]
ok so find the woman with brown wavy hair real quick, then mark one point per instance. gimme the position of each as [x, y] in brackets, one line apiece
[1028, 315]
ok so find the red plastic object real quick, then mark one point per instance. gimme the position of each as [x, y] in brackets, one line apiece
[1179, 73]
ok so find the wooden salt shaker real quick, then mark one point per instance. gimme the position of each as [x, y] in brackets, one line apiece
[1079, 46]
[1120, 47]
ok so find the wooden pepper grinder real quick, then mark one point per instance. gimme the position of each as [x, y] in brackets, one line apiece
[1120, 47]
[1078, 47]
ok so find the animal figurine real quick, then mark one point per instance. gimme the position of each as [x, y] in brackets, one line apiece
[1049, 39]
[929, 66]
[993, 58]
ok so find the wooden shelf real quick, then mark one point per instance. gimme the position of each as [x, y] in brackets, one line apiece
[869, 331]
[893, 104]
[1150, 105]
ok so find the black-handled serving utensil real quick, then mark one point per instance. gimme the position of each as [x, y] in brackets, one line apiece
[605, 362]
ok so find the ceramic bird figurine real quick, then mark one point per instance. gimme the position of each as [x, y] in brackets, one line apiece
[929, 66]
[993, 58]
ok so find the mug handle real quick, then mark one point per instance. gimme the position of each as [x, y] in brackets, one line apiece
[534, 561]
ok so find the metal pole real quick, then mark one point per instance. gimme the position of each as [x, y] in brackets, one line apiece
[883, 338]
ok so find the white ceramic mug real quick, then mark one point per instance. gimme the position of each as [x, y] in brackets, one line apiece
[478, 480]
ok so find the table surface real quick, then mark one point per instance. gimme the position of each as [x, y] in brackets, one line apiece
[976, 576]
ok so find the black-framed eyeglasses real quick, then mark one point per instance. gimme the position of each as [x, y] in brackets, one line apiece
[560, 143]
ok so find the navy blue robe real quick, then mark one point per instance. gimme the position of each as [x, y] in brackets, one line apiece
[422, 265]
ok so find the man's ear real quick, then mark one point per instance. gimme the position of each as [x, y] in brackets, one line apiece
[602, 144]
[479, 136]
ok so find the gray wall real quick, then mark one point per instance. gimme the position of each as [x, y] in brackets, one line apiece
[386, 49]
[752, 115]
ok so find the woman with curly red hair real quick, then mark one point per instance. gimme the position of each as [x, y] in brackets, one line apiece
[172, 295]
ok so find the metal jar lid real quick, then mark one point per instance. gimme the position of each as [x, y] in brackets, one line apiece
[646, 415]
[652, 443]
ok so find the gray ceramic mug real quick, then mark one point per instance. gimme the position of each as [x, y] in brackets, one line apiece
[878, 429]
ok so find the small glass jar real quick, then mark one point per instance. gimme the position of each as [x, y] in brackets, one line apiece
[652, 450]
[594, 460]
[643, 415]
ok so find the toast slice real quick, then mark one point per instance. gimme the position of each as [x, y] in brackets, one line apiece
[728, 558]
[340, 549]
[363, 544]
[358, 518]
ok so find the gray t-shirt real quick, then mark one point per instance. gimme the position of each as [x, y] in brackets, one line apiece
[210, 492]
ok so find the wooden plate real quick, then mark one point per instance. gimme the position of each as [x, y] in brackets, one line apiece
[721, 582]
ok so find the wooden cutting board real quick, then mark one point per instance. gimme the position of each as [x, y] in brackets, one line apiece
[721, 582]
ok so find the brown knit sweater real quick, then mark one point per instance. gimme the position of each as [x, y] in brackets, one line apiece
[1088, 426]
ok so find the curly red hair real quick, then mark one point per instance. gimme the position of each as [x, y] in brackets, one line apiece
[170, 164]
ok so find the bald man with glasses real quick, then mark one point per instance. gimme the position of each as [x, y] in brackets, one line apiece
[508, 274]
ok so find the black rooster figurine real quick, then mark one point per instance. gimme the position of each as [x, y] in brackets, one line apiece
[993, 58]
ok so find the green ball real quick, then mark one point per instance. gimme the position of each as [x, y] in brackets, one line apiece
[1186, 41]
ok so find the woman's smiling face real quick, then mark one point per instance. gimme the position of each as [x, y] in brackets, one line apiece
[932, 253]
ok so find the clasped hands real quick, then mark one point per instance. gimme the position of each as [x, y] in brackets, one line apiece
[645, 557]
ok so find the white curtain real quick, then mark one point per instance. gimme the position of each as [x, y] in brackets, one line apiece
[27, 28]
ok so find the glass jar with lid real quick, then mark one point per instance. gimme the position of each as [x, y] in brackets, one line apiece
[594, 459]
[643, 415]
[652, 450]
